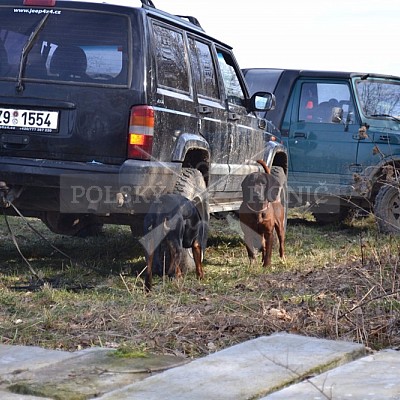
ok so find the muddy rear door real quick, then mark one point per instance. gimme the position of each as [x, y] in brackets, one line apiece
[175, 106]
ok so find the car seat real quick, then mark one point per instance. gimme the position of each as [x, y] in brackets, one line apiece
[325, 110]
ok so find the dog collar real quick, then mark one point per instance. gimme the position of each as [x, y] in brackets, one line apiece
[258, 211]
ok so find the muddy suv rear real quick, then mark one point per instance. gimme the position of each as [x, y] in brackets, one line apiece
[63, 103]
[103, 106]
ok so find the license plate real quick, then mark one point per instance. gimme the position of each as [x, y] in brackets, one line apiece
[28, 120]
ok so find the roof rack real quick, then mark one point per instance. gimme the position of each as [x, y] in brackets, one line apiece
[191, 19]
[148, 3]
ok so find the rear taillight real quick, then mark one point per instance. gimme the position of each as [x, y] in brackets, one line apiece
[43, 3]
[141, 130]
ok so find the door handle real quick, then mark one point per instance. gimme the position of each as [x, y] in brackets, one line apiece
[232, 116]
[300, 135]
[357, 168]
[204, 110]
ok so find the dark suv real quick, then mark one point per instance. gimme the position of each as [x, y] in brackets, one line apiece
[103, 107]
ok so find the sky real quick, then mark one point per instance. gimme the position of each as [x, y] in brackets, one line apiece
[341, 35]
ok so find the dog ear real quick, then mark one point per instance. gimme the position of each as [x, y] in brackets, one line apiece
[272, 188]
[244, 182]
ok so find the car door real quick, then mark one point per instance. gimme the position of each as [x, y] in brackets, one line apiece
[175, 104]
[212, 111]
[321, 130]
[246, 139]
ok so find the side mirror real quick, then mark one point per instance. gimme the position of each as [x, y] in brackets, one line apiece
[337, 115]
[262, 101]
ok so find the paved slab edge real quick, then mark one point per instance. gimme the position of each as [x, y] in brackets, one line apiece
[248, 370]
[374, 377]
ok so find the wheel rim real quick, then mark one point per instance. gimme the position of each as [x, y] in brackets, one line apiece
[394, 208]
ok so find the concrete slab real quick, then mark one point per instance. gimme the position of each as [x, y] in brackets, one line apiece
[90, 374]
[11, 396]
[15, 359]
[375, 377]
[248, 370]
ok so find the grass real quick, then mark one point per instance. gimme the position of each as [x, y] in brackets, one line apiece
[338, 282]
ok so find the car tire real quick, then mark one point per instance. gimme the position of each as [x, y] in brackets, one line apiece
[79, 225]
[331, 217]
[191, 184]
[387, 209]
[280, 175]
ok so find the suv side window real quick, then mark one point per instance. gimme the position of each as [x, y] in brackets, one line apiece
[203, 69]
[172, 67]
[233, 90]
[320, 100]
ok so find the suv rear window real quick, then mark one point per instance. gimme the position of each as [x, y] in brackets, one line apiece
[71, 46]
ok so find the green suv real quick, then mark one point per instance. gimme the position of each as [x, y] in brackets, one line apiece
[342, 132]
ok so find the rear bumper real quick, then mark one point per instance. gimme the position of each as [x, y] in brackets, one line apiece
[87, 187]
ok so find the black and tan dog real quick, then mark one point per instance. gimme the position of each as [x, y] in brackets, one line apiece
[260, 213]
[172, 224]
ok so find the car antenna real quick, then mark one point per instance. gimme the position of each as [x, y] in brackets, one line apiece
[148, 3]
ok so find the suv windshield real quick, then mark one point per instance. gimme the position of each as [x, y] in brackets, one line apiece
[64, 46]
[379, 98]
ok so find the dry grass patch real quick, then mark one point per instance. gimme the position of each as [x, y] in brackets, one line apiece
[337, 283]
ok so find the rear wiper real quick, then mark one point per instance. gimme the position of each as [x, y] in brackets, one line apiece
[25, 50]
[386, 116]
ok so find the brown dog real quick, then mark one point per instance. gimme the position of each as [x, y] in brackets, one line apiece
[260, 213]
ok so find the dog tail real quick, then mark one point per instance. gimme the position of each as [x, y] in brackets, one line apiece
[264, 165]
